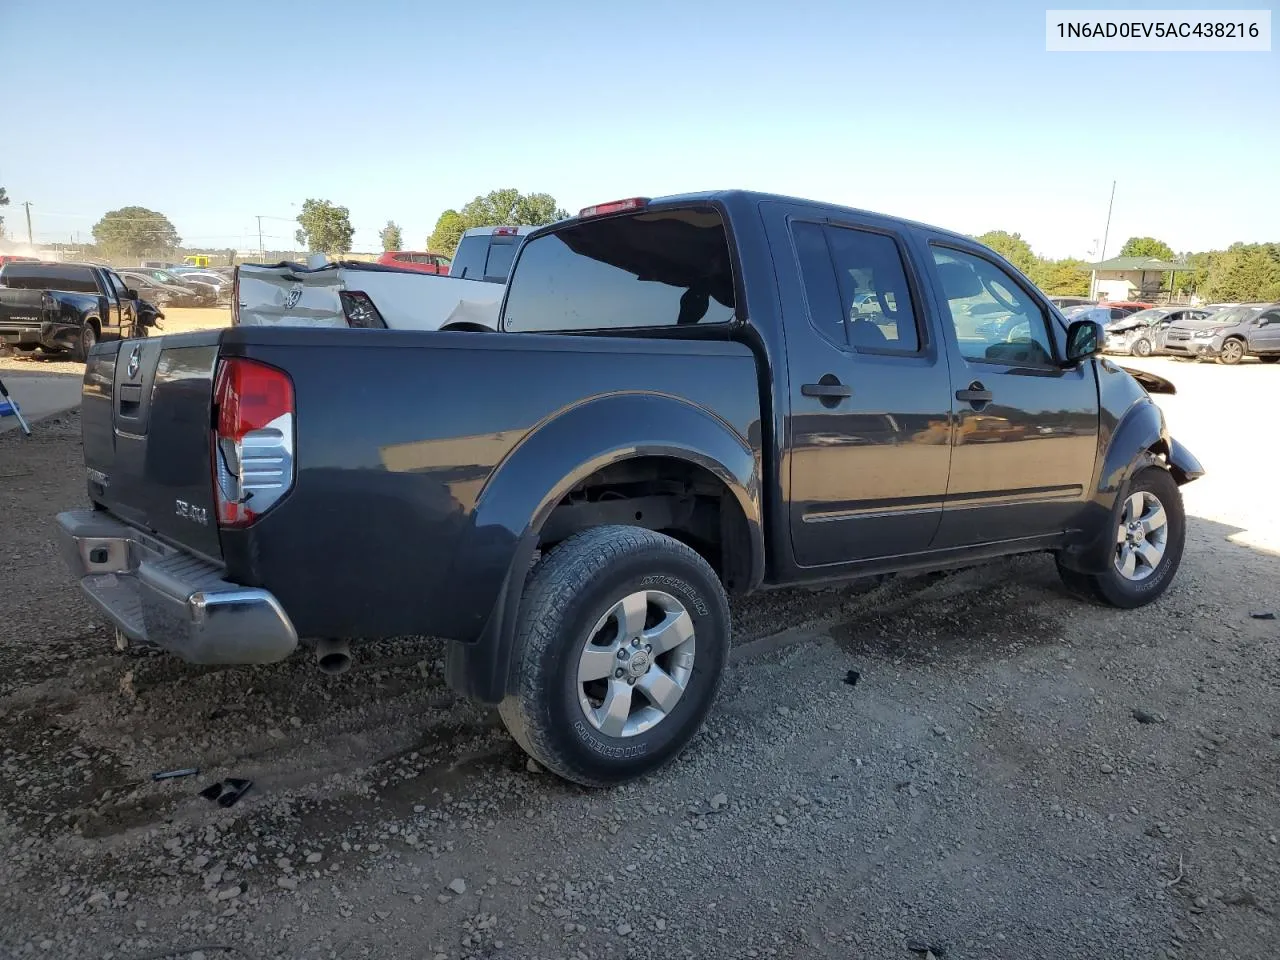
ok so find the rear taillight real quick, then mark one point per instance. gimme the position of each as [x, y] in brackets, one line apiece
[252, 439]
[360, 311]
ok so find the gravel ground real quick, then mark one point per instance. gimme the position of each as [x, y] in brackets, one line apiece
[1015, 773]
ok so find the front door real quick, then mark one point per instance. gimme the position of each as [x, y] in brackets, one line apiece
[868, 389]
[1264, 338]
[1026, 433]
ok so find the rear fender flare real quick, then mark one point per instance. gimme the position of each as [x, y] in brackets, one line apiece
[494, 557]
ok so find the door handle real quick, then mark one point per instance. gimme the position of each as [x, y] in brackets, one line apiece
[835, 390]
[976, 393]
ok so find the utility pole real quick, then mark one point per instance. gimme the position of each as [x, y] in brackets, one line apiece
[1102, 253]
[27, 204]
[262, 254]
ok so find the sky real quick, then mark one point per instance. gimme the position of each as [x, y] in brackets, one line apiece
[948, 113]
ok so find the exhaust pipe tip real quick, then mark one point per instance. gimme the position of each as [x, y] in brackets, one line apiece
[333, 657]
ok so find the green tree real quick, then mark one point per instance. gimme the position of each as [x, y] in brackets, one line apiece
[326, 228]
[4, 202]
[1147, 247]
[1063, 278]
[448, 233]
[1012, 247]
[499, 207]
[1242, 273]
[390, 236]
[134, 231]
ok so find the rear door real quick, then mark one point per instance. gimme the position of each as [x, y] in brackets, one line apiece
[1026, 427]
[146, 413]
[869, 393]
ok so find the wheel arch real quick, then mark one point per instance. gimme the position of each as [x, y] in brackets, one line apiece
[523, 494]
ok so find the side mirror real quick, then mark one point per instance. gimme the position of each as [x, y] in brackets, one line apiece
[1084, 340]
[132, 293]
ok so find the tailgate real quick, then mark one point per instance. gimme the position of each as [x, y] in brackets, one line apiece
[146, 418]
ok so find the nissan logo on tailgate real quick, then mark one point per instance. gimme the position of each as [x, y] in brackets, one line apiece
[135, 358]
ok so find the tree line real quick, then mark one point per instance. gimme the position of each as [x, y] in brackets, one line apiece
[1243, 271]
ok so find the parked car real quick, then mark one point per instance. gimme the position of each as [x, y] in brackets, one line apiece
[1126, 306]
[1142, 334]
[221, 283]
[1230, 335]
[418, 260]
[355, 294]
[204, 291]
[677, 404]
[59, 307]
[15, 258]
[167, 294]
[486, 253]
[1063, 302]
[157, 265]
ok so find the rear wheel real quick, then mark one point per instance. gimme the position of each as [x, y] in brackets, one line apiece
[1150, 532]
[1142, 347]
[622, 641]
[1232, 352]
[87, 340]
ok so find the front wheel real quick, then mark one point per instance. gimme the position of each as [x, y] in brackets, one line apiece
[1232, 352]
[1150, 532]
[622, 640]
[1142, 347]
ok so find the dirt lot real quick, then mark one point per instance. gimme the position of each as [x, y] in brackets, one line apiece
[1016, 774]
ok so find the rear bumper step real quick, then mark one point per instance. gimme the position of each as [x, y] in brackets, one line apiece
[158, 595]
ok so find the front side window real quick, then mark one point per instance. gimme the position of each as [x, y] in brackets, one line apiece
[667, 268]
[118, 286]
[995, 319]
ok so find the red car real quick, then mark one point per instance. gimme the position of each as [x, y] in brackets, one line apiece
[415, 260]
[10, 257]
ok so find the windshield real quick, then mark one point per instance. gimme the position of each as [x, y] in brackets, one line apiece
[1148, 316]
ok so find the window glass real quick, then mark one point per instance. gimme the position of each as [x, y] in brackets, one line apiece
[856, 288]
[873, 290]
[501, 253]
[119, 287]
[49, 276]
[994, 318]
[820, 288]
[662, 269]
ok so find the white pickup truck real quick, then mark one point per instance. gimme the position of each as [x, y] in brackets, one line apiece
[356, 294]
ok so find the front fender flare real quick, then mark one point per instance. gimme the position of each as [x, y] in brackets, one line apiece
[495, 554]
[1137, 442]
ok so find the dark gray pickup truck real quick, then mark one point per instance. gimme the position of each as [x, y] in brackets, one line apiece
[687, 397]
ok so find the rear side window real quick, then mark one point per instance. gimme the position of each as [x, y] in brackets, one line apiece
[857, 288]
[48, 276]
[663, 269]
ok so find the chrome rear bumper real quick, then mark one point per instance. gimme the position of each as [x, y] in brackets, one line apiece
[159, 595]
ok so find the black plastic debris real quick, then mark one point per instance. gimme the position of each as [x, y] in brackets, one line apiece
[852, 677]
[1263, 615]
[918, 946]
[175, 774]
[226, 793]
[1146, 716]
